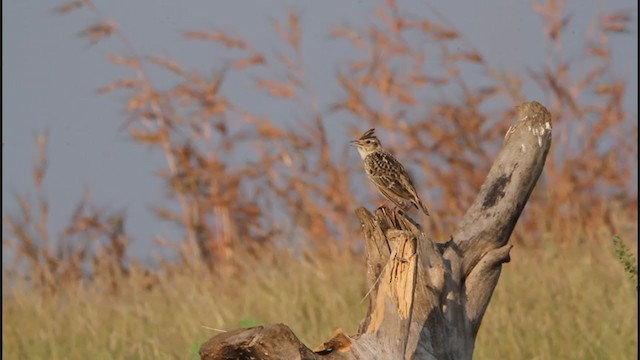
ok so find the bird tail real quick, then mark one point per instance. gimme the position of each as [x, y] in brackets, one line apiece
[421, 206]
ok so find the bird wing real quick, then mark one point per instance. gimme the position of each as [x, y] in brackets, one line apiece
[413, 197]
[390, 178]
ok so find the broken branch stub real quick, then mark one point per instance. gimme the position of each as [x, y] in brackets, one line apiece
[426, 299]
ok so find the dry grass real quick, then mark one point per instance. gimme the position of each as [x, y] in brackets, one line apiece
[166, 320]
[563, 302]
[568, 301]
[563, 296]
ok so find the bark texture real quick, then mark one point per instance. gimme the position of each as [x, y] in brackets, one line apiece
[427, 299]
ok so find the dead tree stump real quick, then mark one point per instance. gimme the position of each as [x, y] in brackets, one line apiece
[427, 299]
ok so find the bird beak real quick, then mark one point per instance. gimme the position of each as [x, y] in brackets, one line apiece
[354, 143]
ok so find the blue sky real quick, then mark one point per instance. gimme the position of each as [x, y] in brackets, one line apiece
[50, 77]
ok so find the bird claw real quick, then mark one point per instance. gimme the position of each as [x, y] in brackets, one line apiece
[399, 211]
[381, 209]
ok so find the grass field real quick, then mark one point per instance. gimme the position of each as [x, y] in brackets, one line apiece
[554, 302]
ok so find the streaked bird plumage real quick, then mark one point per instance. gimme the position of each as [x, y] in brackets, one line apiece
[387, 173]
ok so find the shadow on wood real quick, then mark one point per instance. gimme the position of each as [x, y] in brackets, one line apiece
[427, 299]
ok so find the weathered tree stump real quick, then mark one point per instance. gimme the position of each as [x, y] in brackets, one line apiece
[427, 299]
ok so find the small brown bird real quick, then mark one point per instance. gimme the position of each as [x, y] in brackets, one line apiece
[386, 173]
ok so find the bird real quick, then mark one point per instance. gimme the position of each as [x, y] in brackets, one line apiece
[387, 174]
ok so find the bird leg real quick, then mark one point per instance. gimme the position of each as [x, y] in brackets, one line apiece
[383, 207]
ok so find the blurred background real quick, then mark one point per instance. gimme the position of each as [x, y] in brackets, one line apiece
[161, 161]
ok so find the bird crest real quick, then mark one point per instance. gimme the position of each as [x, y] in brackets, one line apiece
[368, 135]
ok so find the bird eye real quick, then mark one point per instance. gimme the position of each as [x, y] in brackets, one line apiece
[368, 141]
